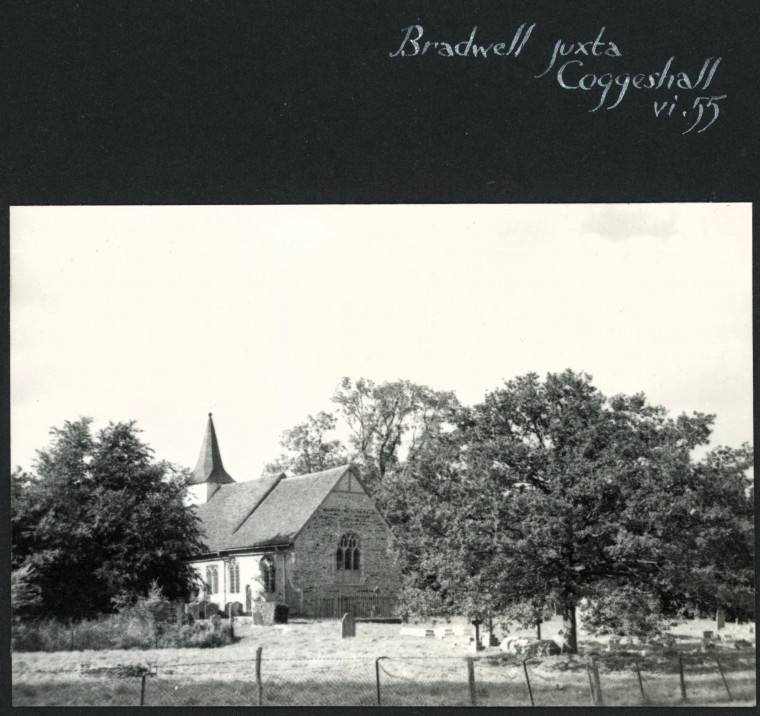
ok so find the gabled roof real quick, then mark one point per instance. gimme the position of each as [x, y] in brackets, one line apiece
[209, 467]
[266, 511]
[230, 506]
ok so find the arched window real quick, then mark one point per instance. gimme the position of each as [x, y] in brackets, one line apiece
[267, 573]
[234, 576]
[212, 579]
[348, 558]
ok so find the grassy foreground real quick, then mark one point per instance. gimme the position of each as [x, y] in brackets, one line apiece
[308, 663]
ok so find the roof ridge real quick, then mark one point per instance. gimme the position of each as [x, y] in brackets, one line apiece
[275, 482]
[345, 467]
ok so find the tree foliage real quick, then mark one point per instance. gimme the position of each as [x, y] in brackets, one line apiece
[100, 518]
[391, 422]
[307, 449]
[550, 489]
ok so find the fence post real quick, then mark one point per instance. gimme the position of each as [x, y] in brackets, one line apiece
[722, 676]
[641, 682]
[597, 681]
[590, 681]
[259, 687]
[142, 690]
[527, 681]
[680, 674]
[377, 677]
[471, 680]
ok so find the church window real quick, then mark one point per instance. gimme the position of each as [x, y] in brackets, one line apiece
[348, 559]
[268, 574]
[212, 579]
[234, 576]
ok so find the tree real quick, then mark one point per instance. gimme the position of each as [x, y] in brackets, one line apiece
[100, 518]
[716, 569]
[307, 449]
[391, 422]
[553, 490]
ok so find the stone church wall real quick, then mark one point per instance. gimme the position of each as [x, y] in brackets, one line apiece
[314, 573]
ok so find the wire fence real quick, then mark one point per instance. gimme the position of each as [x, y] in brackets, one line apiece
[666, 678]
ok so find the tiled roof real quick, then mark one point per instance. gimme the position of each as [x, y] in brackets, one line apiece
[209, 467]
[230, 506]
[266, 511]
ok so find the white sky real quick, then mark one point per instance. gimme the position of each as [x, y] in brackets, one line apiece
[162, 314]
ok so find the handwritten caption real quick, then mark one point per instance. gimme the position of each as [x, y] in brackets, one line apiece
[574, 67]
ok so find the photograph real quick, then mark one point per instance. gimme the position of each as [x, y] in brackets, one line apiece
[382, 454]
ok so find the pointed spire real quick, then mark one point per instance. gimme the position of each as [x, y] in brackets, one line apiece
[209, 467]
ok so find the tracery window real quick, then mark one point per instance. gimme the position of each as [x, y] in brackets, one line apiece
[212, 579]
[268, 573]
[234, 576]
[348, 558]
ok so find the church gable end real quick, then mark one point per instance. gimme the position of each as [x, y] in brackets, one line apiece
[345, 547]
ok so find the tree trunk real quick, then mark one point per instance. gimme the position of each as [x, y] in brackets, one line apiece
[569, 625]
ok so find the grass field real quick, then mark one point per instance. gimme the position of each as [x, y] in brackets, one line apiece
[309, 664]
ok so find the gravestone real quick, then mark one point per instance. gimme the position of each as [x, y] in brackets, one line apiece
[347, 626]
[211, 608]
[194, 610]
[720, 619]
[234, 609]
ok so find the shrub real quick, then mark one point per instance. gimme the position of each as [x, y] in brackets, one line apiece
[141, 623]
[623, 610]
[26, 596]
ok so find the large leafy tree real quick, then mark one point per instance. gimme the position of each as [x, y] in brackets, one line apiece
[549, 489]
[390, 423]
[97, 519]
[307, 448]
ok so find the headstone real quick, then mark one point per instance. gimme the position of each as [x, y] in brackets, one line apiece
[347, 626]
[706, 644]
[194, 610]
[707, 634]
[234, 608]
[210, 608]
[720, 619]
[216, 622]
[476, 623]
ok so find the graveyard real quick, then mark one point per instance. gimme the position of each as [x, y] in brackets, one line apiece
[322, 662]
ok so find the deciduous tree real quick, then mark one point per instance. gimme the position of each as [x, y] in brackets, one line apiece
[307, 449]
[550, 488]
[99, 517]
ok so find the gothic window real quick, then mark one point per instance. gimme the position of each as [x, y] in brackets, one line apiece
[268, 573]
[348, 558]
[212, 579]
[234, 576]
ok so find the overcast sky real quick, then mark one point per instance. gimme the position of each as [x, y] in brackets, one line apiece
[162, 314]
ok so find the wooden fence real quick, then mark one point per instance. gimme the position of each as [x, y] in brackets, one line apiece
[360, 605]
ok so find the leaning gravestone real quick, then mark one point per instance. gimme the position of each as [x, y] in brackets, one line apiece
[347, 626]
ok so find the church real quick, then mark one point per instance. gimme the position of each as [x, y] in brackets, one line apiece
[316, 543]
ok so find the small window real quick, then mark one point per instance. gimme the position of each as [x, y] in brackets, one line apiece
[234, 576]
[212, 580]
[268, 574]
